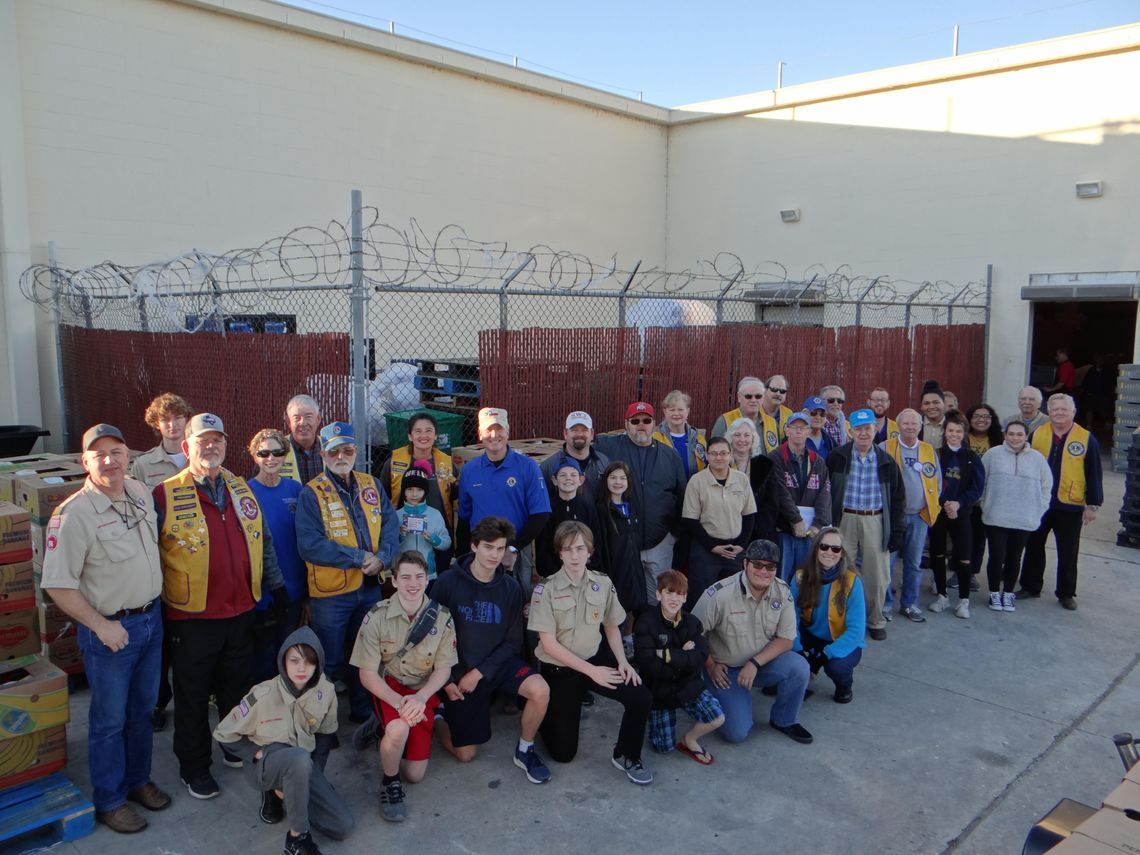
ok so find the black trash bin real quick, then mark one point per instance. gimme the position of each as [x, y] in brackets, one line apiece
[18, 440]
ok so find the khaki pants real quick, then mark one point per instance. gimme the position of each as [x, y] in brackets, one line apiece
[863, 537]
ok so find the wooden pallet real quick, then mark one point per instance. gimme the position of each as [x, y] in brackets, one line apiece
[42, 813]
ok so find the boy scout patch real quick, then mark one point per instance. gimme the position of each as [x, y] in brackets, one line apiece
[710, 591]
[777, 605]
[433, 631]
[538, 589]
[595, 587]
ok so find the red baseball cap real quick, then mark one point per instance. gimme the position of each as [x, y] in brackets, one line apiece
[639, 407]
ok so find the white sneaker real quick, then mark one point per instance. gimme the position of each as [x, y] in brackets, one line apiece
[962, 610]
[995, 601]
[939, 605]
[1007, 603]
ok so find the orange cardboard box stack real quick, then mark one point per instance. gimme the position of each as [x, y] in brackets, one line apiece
[19, 633]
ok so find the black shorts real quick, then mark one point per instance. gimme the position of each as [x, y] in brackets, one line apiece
[470, 719]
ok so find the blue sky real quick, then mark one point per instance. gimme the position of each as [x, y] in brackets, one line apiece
[674, 53]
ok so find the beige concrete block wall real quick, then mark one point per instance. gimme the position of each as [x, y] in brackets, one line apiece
[933, 182]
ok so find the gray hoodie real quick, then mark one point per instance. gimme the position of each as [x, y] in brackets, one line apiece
[1018, 487]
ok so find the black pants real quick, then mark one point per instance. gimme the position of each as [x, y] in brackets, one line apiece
[560, 727]
[165, 693]
[977, 540]
[960, 537]
[706, 569]
[1066, 527]
[207, 655]
[1006, 545]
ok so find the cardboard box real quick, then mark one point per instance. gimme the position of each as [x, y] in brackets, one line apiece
[42, 493]
[536, 449]
[19, 633]
[15, 534]
[38, 533]
[1124, 797]
[1078, 844]
[54, 621]
[34, 755]
[33, 696]
[17, 586]
[28, 461]
[1112, 828]
[64, 653]
[14, 468]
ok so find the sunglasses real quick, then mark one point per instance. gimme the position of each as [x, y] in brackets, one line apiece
[752, 397]
[763, 565]
[265, 452]
[835, 400]
[641, 421]
[776, 391]
[830, 547]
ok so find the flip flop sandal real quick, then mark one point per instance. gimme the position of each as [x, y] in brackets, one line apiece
[702, 757]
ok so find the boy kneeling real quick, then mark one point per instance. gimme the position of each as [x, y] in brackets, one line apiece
[405, 651]
[287, 727]
[670, 650]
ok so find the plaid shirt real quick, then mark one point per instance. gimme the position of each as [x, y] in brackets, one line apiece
[862, 491]
[834, 429]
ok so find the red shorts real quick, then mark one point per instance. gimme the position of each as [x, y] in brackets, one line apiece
[419, 738]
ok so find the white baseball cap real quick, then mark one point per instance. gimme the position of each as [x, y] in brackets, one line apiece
[579, 417]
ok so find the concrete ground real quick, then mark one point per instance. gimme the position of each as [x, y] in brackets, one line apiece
[961, 735]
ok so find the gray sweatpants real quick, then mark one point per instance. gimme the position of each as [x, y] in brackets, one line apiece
[309, 797]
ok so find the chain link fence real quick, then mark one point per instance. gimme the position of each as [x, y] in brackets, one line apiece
[373, 321]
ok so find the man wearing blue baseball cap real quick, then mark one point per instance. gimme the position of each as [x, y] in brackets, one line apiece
[804, 472]
[347, 533]
[867, 503]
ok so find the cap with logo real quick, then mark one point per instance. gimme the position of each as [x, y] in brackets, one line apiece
[490, 416]
[639, 407]
[204, 423]
[568, 462]
[861, 417]
[578, 417]
[814, 403]
[797, 417]
[414, 477]
[336, 434]
[98, 432]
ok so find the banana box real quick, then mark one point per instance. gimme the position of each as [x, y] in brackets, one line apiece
[17, 586]
[15, 534]
[54, 621]
[31, 756]
[19, 633]
[33, 696]
[64, 653]
[42, 493]
[15, 468]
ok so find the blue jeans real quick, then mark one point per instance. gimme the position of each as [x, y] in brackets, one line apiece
[916, 529]
[793, 551]
[124, 689]
[335, 620]
[788, 672]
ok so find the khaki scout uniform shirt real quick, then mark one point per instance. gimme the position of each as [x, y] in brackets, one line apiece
[738, 625]
[271, 713]
[719, 509]
[383, 633]
[112, 561]
[154, 466]
[575, 613]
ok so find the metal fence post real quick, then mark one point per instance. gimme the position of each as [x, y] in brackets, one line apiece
[909, 301]
[510, 277]
[862, 297]
[56, 316]
[358, 407]
[624, 291]
[723, 293]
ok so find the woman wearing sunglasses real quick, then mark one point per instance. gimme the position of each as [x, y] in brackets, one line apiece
[831, 613]
[277, 497]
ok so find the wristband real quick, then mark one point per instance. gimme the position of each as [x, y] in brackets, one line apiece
[755, 664]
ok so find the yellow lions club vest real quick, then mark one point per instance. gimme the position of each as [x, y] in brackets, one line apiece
[928, 460]
[836, 620]
[185, 542]
[1071, 490]
[337, 521]
[773, 433]
[444, 476]
[697, 450]
[761, 429]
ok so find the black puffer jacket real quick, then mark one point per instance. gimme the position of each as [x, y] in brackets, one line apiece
[675, 682]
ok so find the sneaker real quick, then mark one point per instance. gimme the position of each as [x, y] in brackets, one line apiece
[392, 806]
[995, 601]
[272, 808]
[302, 844]
[939, 605]
[232, 760]
[962, 610]
[887, 614]
[123, 819]
[202, 786]
[633, 770]
[531, 763]
[367, 734]
[913, 613]
[1007, 603]
[794, 731]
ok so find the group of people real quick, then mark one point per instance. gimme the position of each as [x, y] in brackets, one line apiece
[660, 567]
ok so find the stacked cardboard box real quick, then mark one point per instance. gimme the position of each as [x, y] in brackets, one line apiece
[536, 449]
[1112, 829]
[33, 719]
[19, 632]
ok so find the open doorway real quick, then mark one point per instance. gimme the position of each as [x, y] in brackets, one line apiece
[1099, 336]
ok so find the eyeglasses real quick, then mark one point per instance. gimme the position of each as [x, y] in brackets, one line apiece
[641, 421]
[835, 400]
[985, 417]
[266, 452]
[722, 453]
[752, 397]
[831, 547]
[776, 391]
[342, 451]
[766, 566]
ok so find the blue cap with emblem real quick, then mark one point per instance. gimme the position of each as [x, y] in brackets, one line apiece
[336, 434]
[861, 417]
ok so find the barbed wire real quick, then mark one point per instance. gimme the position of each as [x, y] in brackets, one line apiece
[200, 284]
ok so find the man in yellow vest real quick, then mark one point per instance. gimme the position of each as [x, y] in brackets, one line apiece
[1074, 457]
[773, 413]
[879, 401]
[922, 483]
[216, 555]
[347, 534]
[302, 419]
[749, 396]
